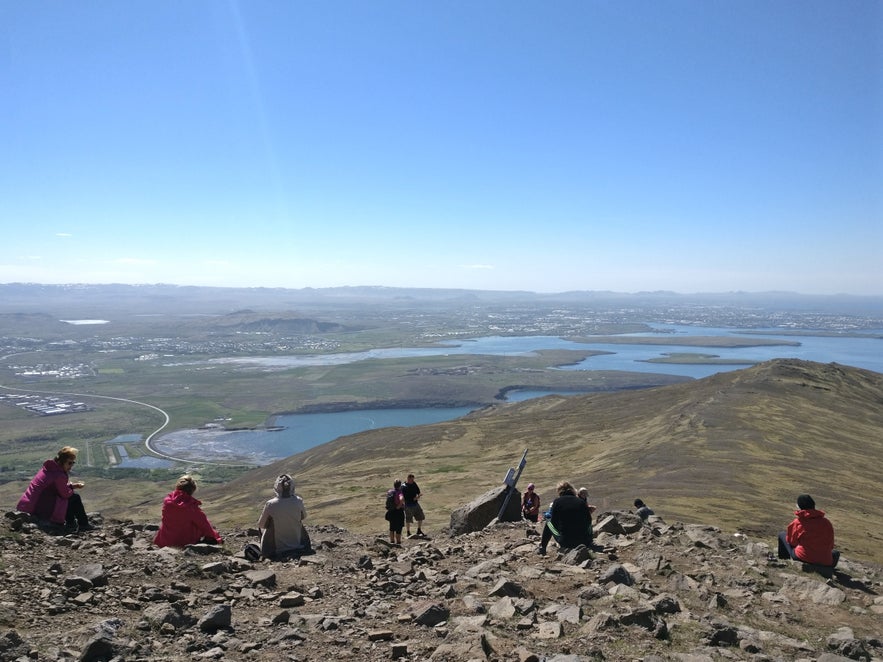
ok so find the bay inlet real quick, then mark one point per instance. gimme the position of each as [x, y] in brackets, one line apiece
[300, 432]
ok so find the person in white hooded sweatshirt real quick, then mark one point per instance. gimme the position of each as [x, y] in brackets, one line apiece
[281, 522]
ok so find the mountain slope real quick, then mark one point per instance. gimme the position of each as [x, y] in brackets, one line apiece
[732, 450]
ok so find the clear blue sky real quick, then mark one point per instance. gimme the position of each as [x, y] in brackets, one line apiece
[692, 145]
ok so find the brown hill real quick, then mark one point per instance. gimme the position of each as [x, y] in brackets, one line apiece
[732, 450]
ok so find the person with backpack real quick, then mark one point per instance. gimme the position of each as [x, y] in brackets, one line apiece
[530, 504]
[395, 512]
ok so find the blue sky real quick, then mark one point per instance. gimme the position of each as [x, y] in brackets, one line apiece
[695, 146]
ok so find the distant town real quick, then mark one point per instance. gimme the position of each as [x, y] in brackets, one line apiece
[44, 405]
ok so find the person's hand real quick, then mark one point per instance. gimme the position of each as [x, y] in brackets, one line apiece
[77, 486]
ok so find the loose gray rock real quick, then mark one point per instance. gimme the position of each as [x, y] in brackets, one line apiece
[482, 510]
[218, 617]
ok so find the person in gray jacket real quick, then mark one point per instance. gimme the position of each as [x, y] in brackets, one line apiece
[281, 522]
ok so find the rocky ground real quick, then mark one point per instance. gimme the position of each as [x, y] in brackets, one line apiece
[653, 592]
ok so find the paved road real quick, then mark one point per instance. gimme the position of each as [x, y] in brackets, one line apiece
[109, 397]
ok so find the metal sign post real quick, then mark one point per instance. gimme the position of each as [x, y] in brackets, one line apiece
[511, 480]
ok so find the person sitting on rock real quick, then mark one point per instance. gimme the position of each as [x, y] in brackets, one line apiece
[51, 496]
[583, 494]
[281, 521]
[530, 504]
[183, 522]
[643, 510]
[809, 537]
[570, 523]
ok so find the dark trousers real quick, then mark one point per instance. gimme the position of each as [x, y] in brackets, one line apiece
[76, 513]
[786, 551]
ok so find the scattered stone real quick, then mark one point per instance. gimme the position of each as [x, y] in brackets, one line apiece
[431, 614]
[218, 617]
[265, 578]
[506, 587]
[380, 635]
[291, 600]
[800, 589]
[478, 596]
[617, 574]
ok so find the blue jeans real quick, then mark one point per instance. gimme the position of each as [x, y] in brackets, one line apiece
[786, 551]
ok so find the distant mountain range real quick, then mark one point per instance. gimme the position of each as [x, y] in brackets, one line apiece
[84, 300]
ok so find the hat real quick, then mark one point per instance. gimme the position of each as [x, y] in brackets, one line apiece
[805, 502]
[283, 486]
[530, 486]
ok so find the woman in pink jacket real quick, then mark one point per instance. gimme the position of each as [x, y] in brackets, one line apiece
[51, 496]
[183, 522]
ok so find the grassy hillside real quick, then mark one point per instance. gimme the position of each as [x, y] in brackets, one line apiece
[733, 450]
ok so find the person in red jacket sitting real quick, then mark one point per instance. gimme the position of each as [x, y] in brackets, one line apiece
[183, 522]
[809, 537]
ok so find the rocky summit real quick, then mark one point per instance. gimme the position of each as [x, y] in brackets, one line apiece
[645, 591]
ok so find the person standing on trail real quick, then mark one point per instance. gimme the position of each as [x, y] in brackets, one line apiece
[413, 511]
[395, 512]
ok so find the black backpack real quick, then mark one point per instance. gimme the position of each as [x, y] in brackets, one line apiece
[390, 501]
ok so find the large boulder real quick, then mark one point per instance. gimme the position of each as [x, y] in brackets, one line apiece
[480, 512]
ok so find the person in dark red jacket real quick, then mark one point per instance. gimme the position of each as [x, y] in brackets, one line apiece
[183, 522]
[51, 495]
[809, 537]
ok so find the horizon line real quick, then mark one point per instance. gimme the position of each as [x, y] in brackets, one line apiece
[454, 289]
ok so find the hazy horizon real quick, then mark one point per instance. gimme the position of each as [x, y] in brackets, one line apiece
[442, 288]
[581, 146]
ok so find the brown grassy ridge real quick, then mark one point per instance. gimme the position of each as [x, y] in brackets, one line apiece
[731, 450]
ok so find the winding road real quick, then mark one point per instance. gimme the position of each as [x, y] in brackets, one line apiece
[149, 438]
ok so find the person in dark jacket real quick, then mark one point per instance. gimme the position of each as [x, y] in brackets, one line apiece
[809, 537]
[183, 522]
[642, 509]
[570, 523]
[395, 512]
[51, 495]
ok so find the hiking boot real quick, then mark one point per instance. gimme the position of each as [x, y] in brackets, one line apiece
[420, 533]
[86, 527]
[541, 551]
